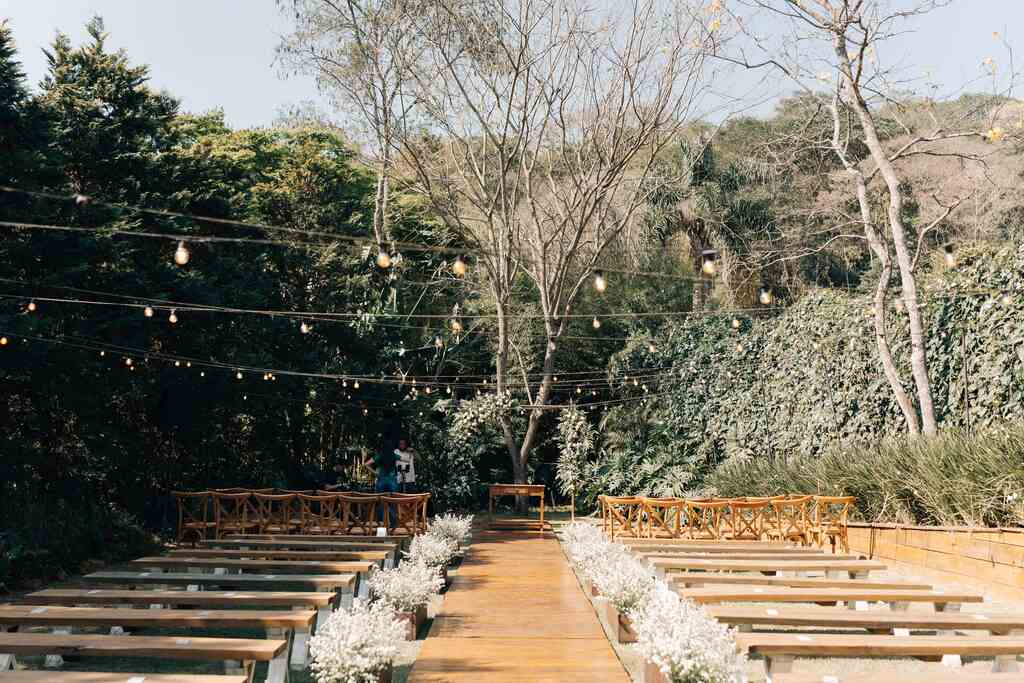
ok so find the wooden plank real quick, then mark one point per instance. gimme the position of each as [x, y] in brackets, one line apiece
[801, 565]
[748, 556]
[297, 544]
[766, 545]
[870, 620]
[178, 618]
[693, 579]
[246, 649]
[245, 581]
[645, 548]
[787, 594]
[280, 566]
[843, 645]
[113, 677]
[200, 599]
[339, 538]
[904, 677]
[278, 554]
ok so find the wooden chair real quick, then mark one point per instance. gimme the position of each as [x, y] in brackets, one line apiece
[357, 512]
[790, 521]
[277, 513]
[829, 521]
[748, 519]
[194, 514]
[318, 514]
[402, 512]
[624, 513]
[663, 516]
[704, 518]
[234, 514]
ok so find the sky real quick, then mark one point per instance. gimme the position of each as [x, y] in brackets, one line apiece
[220, 53]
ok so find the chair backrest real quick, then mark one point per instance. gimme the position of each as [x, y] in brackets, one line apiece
[403, 512]
[664, 516]
[624, 514]
[832, 511]
[791, 517]
[705, 518]
[317, 513]
[232, 490]
[234, 508]
[357, 512]
[193, 510]
[748, 519]
[306, 492]
[275, 510]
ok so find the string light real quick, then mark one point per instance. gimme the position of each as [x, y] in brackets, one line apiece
[438, 342]
[181, 255]
[707, 261]
[148, 311]
[383, 257]
[448, 390]
[31, 306]
[355, 385]
[177, 363]
[651, 347]
[600, 283]
[128, 361]
[459, 266]
[3, 341]
[238, 375]
[456, 326]
[735, 323]
[82, 200]
[102, 353]
[764, 295]
[202, 373]
[596, 323]
[173, 317]
[304, 328]
[949, 254]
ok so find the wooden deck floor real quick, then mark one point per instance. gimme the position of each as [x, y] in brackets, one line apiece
[516, 613]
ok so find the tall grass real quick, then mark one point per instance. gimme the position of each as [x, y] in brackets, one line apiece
[955, 479]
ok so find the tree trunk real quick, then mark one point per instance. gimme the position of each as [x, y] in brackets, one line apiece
[918, 354]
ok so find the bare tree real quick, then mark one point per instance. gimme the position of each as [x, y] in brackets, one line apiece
[840, 38]
[536, 141]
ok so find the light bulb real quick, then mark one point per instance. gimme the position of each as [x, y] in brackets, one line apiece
[148, 311]
[102, 353]
[552, 346]
[427, 390]
[202, 373]
[578, 390]
[764, 295]
[31, 306]
[177, 363]
[238, 375]
[651, 347]
[188, 364]
[459, 266]
[707, 261]
[128, 361]
[949, 254]
[173, 317]
[344, 383]
[355, 384]
[82, 200]
[739, 347]
[3, 341]
[456, 326]
[438, 342]
[181, 255]
[304, 328]
[596, 323]
[600, 283]
[383, 258]
[735, 323]
[447, 390]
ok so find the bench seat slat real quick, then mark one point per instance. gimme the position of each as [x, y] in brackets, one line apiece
[786, 594]
[842, 645]
[844, 618]
[112, 677]
[352, 538]
[247, 649]
[281, 566]
[100, 616]
[783, 557]
[793, 565]
[298, 544]
[274, 554]
[250, 580]
[904, 677]
[683, 578]
[204, 598]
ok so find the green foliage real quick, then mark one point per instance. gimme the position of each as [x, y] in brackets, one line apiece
[575, 443]
[957, 478]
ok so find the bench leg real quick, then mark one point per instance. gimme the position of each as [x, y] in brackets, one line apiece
[364, 590]
[56, 661]
[7, 661]
[277, 671]
[1005, 664]
[300, 650]
[779, 664]
[286, 657]
[321, 616]
[952, 661]
[899, 606]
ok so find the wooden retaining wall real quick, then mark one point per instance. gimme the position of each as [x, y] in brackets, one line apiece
[985, 559]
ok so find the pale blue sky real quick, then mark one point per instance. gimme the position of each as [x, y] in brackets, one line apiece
[219, 53]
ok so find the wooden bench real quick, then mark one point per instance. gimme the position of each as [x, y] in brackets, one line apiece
[340, 583]
[780, 649]
[279, 566]
[390, 547]
[248, 651]
[719, 548]
[113, 677]
[769, 556]
[896, 599]
[698, 579]
[291, 626]
[686, 542]
[873, 621]
[273, 554]
[904, 677]
[855, 568]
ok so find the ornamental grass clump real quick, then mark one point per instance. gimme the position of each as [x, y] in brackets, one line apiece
[356, 646]
[684, 642]
[452, 527]
[407, 587]
[431, 550]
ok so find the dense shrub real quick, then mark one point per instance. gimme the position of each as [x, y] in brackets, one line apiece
[958, 478]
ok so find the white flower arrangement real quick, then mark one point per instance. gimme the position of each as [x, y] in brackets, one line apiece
[431, 550]
[684, 642]
[355, 646]
[407, 587]
[453, 527]
[623, 580]
[587, 547]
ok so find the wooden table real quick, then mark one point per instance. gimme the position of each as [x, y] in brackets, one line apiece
[528, 490]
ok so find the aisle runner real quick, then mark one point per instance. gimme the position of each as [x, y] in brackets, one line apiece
[516, 613]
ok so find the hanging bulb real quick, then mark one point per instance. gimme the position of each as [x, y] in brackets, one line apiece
[3, 341]
[31, 307]
[181, 255]
[148, 311]
[128, 361]
[949, 254]
[188, 364]
[383, 257]
[102, 353]
[177, 363]
[593, 392]
[764, 295]
[596, 323]
[600, 283]
[344, 383]
[459, 266]
[636, 382]
[651, 347]
[427, 390]
[735, 323]
[456, 326]
[707, 262]
[355, 385]
[173, 317]
[304, 328]
[438, 342]
[82, 200]
[578, 390]
[238, 375]
[447, 390]
[202, 373]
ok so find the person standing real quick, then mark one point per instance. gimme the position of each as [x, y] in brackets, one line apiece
[406, 466]
[385, 465]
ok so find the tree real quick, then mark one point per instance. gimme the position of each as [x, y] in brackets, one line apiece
[575, 443]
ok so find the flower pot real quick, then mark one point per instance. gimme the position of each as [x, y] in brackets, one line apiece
[413, 621]
[619, 626]
[384, 676]
[444, 574]
[652, 674]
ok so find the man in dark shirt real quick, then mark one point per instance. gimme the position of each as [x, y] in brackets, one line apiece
[385, 465]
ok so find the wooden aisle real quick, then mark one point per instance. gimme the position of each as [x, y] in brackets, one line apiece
[515, 612]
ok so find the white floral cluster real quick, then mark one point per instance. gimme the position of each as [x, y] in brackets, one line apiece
[684, 642]
[407, 587]
[677, 635]
[355, 646]
[452, 527]
[432, 550]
